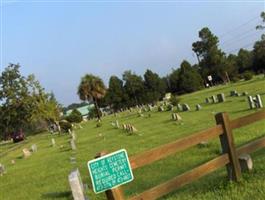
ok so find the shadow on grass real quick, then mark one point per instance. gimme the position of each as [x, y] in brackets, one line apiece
[19, 157]
[57, 195]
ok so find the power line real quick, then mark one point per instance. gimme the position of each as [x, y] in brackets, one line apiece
[245, 46]
[240, 26]
[238, 36]
[240, 39]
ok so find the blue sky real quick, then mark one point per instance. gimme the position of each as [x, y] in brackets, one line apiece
[60, 41]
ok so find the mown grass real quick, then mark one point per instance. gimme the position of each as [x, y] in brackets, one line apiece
[44, 175]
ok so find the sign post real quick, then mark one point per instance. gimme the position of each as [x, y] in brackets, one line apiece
[210, 78]
[110, 171]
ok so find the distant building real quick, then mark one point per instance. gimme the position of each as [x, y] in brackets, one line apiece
[84, 110]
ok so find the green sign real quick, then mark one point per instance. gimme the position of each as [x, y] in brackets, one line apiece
[110, 171]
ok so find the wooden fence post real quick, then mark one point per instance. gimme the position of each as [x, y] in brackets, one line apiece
[115, 193]
[228, 146]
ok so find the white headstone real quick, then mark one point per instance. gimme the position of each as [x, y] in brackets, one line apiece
[73, 146]
[34, 148]
[117, 124]
[73, 136]
[53, 142]
[76, 185]
[251, 102]
[213, 99]
[198, 107]
[2, 169]
[259, 101]
[185, 107]
[26, 153]
[246, 163]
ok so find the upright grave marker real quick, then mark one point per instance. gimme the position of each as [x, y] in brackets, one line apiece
[76, 185]
[2, 169]
[34, 148]
[251, 102]
[26, 153]
[73, 146]
[259, 101]
[213, 99]
[221, 97]
[185, 107]
[53, 142]
[198, 107]
[110, 171]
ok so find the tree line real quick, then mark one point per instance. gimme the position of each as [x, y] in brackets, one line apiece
[24, 104]
[133, 89]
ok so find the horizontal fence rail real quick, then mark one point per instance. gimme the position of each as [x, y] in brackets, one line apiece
[229, 157]
[174, 147]
[246, 120]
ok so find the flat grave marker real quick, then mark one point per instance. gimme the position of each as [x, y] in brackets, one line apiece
[110, 171]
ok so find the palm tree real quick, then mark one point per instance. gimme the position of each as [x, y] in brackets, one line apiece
[92, 88]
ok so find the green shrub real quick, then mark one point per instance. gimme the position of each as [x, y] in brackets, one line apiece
[93, 113]
[247, 75]
[174, 100]
[99, 124]
[169, 107]
[74, 117]
[65, 125]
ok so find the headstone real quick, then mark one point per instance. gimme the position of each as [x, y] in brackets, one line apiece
[150, 107]
[246, 163]
[213, 98]
[34, 148]
[179, 107]
[26, 153]
[251, 102]
[259, 101]
[178, 118]
[233, 93]
[117, 124]
[13, 162]
[2, 169]
[133, 129]
[76, 185]
[198, 107]
[53, 142]
[160, 108]
[185, 107]
[207, 100]
[73, 136]
[221, 97]
[124, 126]
[73, 146]
[69, 131]
[173, 116]
[245, 93]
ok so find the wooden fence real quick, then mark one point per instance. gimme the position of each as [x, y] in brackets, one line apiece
[228, 158]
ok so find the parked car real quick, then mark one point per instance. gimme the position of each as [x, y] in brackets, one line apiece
[18, 136]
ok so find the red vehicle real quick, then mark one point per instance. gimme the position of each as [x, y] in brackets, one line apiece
[18, 136]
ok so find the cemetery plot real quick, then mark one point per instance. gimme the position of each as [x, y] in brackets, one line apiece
[110, 171]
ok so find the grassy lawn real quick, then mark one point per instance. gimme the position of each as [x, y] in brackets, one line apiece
[44, 175]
